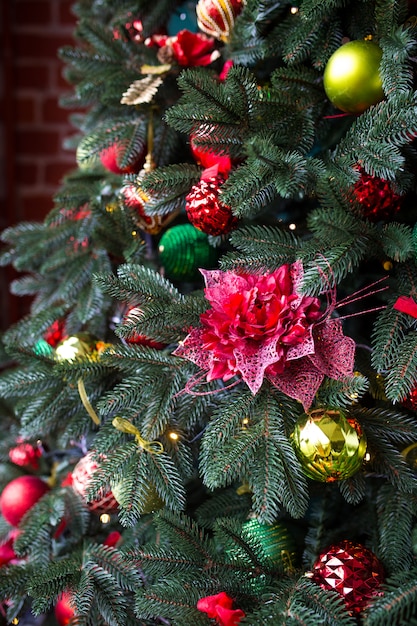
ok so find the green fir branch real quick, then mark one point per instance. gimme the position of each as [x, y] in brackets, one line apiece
[397, 604]
[395, 514]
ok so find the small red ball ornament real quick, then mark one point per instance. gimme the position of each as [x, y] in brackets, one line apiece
[207, 158]
[19, 496]
[410, 401]
[136, 338]
[55, 333]
[81, 476]
[353, 571]
[111, 157]
[25, 454]
[205, 210]
[376, 198]
[63, 610]
[217, 17]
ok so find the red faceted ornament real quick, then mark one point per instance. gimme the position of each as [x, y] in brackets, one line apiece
[204, 209]
[19, 496]
[376, 198]
[81, 476]
[217, 17]
[353, 571]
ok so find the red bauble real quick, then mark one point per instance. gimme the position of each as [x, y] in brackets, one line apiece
[110, 159]
[25, 455]
[206, 212]
[63, 610]
[205, 158]
[55, 333]
[19, 496]
[353, 571]
[376, 198]
[81, 476]
[135, 199]
[217, 17]
[136, 338]
[410, 402]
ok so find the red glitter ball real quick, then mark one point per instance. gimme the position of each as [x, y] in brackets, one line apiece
[81, 477]
[206, 212]
[376, 198]
[353, 571]
[410, 402]
[55, 333]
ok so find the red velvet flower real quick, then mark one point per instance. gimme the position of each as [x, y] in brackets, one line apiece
[188, 49]
[260, 325]
[219, 607]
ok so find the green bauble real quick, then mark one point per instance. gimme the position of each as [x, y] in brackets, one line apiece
[278, 546]
[183, 250]
[329, 444]
[42, 348]
[153, 501]
[351, 80]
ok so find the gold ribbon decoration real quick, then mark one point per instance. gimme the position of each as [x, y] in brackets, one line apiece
[86, 402]
[122, 424]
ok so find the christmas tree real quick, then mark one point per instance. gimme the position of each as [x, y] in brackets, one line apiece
[209, 414]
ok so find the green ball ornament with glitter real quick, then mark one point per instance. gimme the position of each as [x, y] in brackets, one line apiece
[276, 543]
[329, 444]
[351, 79]
[183, 250]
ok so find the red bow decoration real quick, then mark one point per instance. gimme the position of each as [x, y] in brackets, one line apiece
[406, 304]
[219, 607]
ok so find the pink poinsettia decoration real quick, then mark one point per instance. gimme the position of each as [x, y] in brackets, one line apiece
[260, 326]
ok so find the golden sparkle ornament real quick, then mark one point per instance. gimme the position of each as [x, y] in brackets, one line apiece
[329, 444]
[75, 347]
[352, 80]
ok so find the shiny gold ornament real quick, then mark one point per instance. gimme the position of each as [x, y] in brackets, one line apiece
[75, 347]
[329, 444]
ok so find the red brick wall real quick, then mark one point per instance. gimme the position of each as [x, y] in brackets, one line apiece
[33, 126]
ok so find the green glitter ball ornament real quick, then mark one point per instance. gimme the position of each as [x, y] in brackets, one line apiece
[329, 444]
[277, 546]
[183, 250]
[42, 348]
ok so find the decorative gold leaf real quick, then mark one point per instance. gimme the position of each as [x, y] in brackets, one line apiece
[155, 69]
[142, 90]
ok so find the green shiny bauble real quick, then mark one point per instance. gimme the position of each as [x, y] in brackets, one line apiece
[183, 250]
[352, 80]
[276, 543]
[329, 444]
